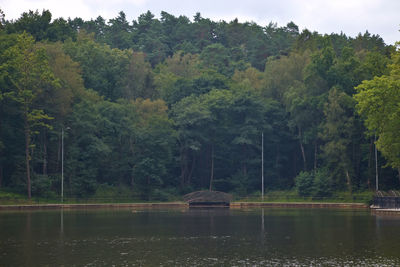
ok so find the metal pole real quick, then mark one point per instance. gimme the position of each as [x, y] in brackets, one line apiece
[62, 165]
[262, 165]
[376, 166]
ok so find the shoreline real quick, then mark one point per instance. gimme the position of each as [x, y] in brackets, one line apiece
[93, 206]
[233, 205]
[298, 205]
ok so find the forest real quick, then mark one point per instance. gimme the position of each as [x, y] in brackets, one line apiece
[160, 107]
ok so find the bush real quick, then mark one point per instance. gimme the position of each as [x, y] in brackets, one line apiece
[315, 184]
[113, 193]
[5, 195]
[304, 183]
[164, 195]
[322, 184]
[239, 183]
[41, 185]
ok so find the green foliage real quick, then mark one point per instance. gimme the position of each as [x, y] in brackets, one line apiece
[304, 183]
[168, 194]
[138, 82]
[34, 23]
[106, 193]
[103, 68]
[42, 185]
[322, 184]
[338, 130]
[163, 106]
[314, 183]
[378, 102]
[117, 35]
[365, 197]
[216, 56]
[239, 183]
[10, 197]
[25, 72]
[41, 27]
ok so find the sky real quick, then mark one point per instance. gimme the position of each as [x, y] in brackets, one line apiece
[324, 16]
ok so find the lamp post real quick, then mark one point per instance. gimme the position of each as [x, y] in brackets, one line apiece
[376, 167]
[262, 165]
[62, 163]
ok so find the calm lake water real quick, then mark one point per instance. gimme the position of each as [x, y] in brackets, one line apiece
[199, 237]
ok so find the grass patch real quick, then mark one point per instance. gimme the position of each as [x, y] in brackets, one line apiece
[124, 195]
[104, 194]
[292, 196]
[8, 198]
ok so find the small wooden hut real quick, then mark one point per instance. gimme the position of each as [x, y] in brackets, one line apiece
[208, 199]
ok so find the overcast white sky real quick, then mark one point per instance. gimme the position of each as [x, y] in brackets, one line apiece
[325, 16]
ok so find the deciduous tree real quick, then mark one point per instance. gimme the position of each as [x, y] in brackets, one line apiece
[27, 73]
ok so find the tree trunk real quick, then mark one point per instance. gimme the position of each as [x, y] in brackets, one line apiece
[1, 175]
[303, 154]
[132, 181]
[244, 165]
[59, 154]
[191, 170]
[131, 176]
[212, 166]
[315, 154]
[148, 187]
[183, 167]
[277, 160]
[370, 162]
[1, 155]
[27, 158]
[204, 163]
[294, 156]
[44, 154]
[348, 181]
[277, 156]
[398, 170]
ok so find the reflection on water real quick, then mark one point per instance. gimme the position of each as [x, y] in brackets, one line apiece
[198, 237]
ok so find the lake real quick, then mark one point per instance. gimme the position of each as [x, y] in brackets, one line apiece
[199, 237]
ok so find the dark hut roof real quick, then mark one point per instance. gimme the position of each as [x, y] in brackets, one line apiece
[207, 197]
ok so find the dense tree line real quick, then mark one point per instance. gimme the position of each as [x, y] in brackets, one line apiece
[170, 105]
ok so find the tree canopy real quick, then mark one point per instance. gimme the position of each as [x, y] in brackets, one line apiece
[159, 107]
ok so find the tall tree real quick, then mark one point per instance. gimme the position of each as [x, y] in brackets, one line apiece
[139, 78]
[32, 22]
[217, 57]
[337, 131]
[58, 103]
[378, 102]
[119, 32]
[150, 38]
[28, 73]
[103, 68]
